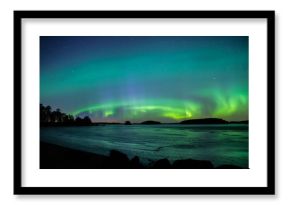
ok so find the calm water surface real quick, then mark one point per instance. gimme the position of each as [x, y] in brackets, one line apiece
[221, 144]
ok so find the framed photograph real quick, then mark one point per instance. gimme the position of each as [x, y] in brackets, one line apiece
[144, 102]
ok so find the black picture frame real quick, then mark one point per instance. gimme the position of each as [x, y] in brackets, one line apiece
[270, 18]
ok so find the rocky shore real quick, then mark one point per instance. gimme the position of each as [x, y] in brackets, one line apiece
[58, 157]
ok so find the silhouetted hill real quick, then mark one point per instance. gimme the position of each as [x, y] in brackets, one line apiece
[150, 122]
[205, 121]
[240, 122]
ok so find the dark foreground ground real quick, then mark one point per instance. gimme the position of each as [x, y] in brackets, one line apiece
[58, 157]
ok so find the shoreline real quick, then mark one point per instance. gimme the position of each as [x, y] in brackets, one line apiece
[58, 157]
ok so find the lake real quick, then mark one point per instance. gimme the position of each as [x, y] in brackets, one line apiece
[221, 144]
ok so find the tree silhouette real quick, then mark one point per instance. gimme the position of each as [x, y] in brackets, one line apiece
[128, 123]
[87, 120]
[56, 117]
[78, 120]
[42, 114]
[48, 113]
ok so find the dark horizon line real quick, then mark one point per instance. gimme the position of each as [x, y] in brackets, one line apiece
[150, 120]
[123, 122]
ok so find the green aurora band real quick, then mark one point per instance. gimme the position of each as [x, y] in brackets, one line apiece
[169, 79]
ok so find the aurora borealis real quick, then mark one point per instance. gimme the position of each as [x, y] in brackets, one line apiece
[138, 78]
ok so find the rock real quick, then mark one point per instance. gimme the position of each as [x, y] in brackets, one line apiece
[135, 163]
[162, 164]
[114, 154]
[192, 164]
[135, 160]
[117, 160]
[228, 166]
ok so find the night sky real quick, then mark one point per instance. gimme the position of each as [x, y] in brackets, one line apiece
[138, 78]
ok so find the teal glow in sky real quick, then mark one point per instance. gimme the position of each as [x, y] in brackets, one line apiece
[138, 78]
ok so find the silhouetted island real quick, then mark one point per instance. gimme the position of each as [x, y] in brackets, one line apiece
[240, 122]
[205, 121]
[57, 157]
[128, 123]
[150, 122]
